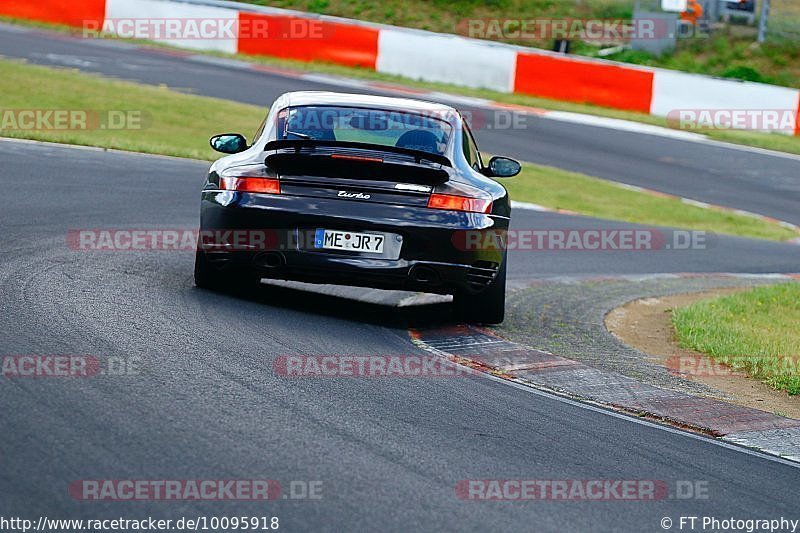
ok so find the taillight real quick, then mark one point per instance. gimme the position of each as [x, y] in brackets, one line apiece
[250, 184]
[459, 203]
[250, 178]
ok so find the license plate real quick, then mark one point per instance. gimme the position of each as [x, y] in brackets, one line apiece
[347, 240]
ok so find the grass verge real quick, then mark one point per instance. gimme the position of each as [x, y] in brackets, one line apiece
[769, 141]
[162, 121]
[178, 124]
[596, 197]
[754, 331]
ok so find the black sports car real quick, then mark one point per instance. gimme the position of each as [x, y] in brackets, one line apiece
[359, 190]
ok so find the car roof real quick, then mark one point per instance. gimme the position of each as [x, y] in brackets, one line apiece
[301, 98]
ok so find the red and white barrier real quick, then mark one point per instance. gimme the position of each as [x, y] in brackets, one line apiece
[446, 59]
[429, 56]
[584, 81]
[674, 92]
[118, 12]
[67, 12]
[309, 39]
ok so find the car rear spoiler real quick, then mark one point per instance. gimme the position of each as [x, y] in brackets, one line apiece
[356, 160]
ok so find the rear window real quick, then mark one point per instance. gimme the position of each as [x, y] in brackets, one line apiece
[374, 126]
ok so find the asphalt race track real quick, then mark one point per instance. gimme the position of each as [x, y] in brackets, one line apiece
[731, 177]
[207, 404]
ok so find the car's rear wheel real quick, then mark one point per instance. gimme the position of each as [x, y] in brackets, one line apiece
[204, 275]
[487, 306]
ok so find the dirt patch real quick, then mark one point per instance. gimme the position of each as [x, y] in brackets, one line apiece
[645, 325]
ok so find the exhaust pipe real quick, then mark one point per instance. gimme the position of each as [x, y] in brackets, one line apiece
[425, 275]
[270, 259]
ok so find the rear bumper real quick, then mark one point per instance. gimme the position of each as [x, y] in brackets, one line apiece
[422, 251]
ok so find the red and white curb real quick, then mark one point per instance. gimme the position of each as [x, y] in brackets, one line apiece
[483, 351]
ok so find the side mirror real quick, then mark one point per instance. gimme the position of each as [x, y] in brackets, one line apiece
[503, 167]
[228, 143]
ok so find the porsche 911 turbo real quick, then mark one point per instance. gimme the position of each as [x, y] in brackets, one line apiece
[358, 190]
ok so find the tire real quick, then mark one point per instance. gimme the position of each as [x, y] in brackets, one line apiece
[204, 275]
[486, 307]
[208, 277]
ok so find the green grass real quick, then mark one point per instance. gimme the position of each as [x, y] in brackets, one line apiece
[600, 198]
[179, 124]
[171, 123]
[757, 332]
[728, 55]
[770, 141]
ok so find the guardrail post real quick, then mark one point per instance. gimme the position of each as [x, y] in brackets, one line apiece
[762, 24]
